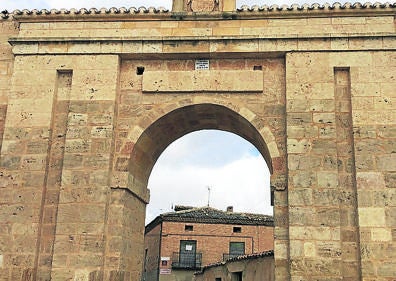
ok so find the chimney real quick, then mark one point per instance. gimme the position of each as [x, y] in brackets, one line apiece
[230, 209]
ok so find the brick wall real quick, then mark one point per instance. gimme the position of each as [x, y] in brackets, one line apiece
[213, 239]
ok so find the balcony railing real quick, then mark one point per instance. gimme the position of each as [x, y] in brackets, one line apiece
[187, 260]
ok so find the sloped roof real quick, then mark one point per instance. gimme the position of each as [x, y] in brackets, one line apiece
[212, 216]
[238, 258]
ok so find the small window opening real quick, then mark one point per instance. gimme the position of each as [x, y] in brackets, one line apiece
[258, 67]
[237, 229]
[218, 279]
[236, 276]
[164, 263]
[140, 70]
[188, 227]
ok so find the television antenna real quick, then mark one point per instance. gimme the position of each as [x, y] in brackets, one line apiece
[208, 187]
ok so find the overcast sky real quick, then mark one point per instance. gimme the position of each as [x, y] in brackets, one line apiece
[49, 4]
[225, 163]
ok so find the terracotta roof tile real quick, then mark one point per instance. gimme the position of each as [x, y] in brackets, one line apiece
[212, 216]
[238, 258]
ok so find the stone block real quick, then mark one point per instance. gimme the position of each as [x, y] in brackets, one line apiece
[381, 235]
[77, 119]
[370, 180]
[387, 269]
[304, 179]
[323, 118]
[386, 162]
[327, 179]
[301, 216]
[298, 146]
[390, 180]
[310, 249]
[102, 131]
[326, 197]
[329, 249]
[33, 162]
[77, 146]
[327, 217]
[73, 161]
[302, 132]
[372, 216]
[300, 197]
[98, 161]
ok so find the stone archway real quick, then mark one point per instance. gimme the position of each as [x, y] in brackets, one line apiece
[175, 124]
[319, 96]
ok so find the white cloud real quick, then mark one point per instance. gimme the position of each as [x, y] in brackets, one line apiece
[209, 148]
[243, 184]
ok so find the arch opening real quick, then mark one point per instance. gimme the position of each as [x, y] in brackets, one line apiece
[179, 122]
[210, 168]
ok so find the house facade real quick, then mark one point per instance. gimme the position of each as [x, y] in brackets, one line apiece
[181, 242]
[253, 267]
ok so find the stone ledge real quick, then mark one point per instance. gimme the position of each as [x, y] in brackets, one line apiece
[206, 47]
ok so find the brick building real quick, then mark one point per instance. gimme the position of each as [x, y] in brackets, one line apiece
[179, 243]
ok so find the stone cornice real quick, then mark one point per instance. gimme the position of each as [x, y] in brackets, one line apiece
[203, 46]
[32, 40]
[245, 12]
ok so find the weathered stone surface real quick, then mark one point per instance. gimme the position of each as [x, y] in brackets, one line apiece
[83, 118]
[202, 81]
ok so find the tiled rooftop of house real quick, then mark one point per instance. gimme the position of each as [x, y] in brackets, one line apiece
[238, 258]
[211, 215]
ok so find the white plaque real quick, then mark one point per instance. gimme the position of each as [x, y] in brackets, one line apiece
[202, 64]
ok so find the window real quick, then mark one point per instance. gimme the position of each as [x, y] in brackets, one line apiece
[187, 253]
[188, 227]
[236, 276]
[237, 229]
[218, 279]
[237, 248]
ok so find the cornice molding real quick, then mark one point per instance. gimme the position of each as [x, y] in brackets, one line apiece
[244, 12]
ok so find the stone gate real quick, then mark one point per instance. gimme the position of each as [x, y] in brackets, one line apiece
[90, 98]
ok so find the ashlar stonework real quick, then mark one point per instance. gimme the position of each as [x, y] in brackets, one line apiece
[89, 99]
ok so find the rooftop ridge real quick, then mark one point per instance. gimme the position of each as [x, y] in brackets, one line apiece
[337, 6]
[237, 258]
[213, 215]
[196, 210]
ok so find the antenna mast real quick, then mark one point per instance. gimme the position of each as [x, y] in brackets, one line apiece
[208, 195]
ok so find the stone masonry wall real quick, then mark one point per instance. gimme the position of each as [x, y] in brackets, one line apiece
[81, 130]
[9, 199]
[341, 164]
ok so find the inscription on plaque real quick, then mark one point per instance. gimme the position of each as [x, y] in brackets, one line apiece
[202, 64]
